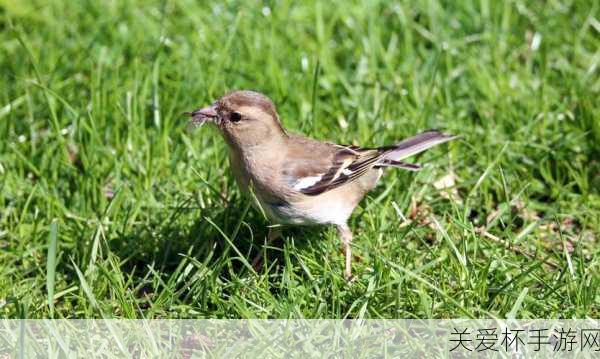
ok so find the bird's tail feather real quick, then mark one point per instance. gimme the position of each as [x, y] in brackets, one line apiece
[417, 144]
[399, 164]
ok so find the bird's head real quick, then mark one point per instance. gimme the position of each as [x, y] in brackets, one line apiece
[245, 118]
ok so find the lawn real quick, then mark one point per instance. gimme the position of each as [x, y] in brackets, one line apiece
[110, 208]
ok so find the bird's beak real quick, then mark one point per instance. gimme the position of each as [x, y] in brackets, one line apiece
[201, 116]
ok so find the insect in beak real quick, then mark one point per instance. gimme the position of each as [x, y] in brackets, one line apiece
[201, 116]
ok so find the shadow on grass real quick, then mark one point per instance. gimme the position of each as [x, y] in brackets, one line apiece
[186, 230]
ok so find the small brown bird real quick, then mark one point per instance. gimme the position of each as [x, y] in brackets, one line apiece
[298, 180]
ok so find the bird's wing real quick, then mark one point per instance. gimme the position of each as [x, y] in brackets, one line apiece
[315, 167]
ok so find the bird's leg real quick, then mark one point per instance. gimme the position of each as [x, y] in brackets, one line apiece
[274, 233]
[346, 236]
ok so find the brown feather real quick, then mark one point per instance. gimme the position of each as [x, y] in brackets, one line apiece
[337, 165]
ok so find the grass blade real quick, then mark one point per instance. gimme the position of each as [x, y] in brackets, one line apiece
[51, 265]
[517, 306]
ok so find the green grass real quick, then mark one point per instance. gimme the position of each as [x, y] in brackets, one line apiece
[109, 208]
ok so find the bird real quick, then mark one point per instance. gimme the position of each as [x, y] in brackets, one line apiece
[298, 180]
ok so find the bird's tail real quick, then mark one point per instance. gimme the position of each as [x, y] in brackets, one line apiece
[412, 146]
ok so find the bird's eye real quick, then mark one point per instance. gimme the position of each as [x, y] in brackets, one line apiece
[235, 116]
